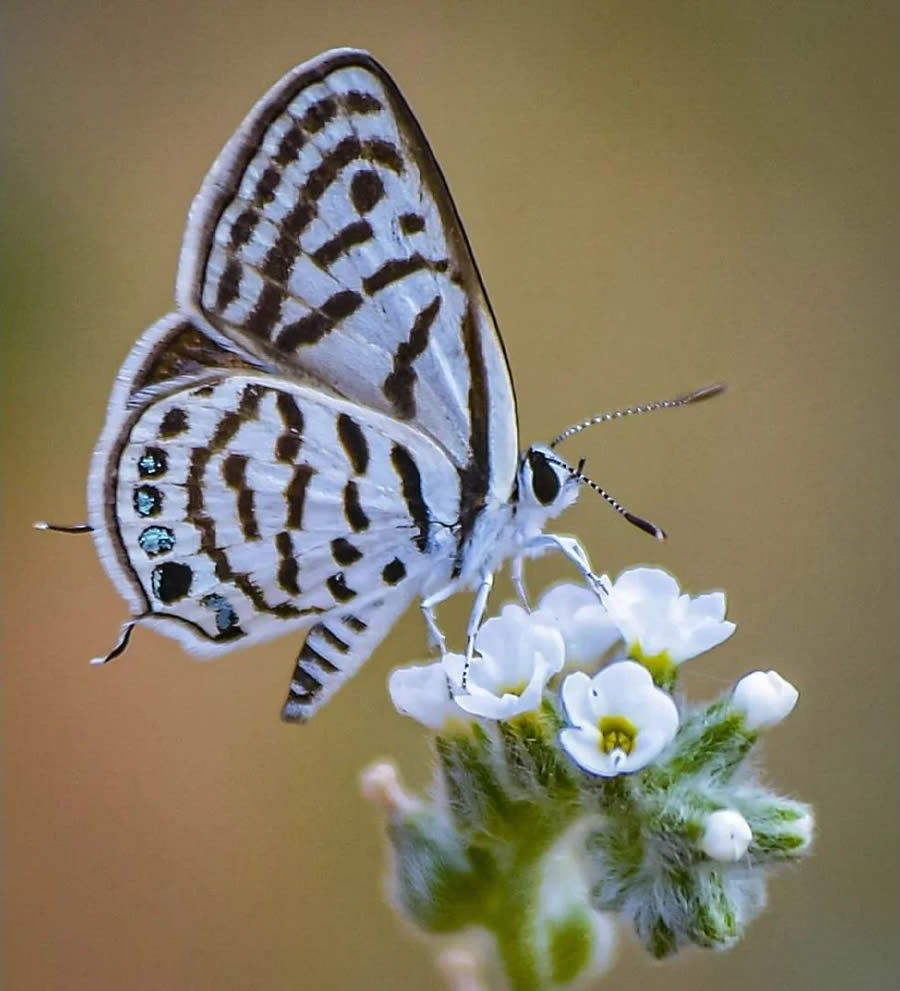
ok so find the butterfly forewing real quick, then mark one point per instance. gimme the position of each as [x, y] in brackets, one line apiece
[325, 238]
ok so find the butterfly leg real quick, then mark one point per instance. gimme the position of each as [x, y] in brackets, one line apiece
[435, 637]
[517, 574]
[570, 548]
[475, 616]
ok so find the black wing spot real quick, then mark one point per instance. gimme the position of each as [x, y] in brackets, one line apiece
[394, 572]
[171, 581]
[265, 188]
[366, 189]
[348, 237]
[411, 223]
[339, 589]
[354, 443]
[174, 422]
[290, 146]
[344, 552]
[353, 511]
[358, 102]
[318, 115]
[288, 569]
[295, 493]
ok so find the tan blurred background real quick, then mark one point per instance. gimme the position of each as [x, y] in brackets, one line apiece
[660, 195]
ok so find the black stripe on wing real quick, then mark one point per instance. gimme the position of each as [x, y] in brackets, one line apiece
[265, 318]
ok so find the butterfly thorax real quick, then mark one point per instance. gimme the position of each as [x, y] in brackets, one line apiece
[544, 487]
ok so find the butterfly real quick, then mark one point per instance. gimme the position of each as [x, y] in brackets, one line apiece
[324, 430]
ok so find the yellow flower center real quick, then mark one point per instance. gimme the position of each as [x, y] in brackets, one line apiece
[516, 689]
[660, 665]
[616, 733]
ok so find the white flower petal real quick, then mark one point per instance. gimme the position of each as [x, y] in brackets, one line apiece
[585, 751]
[454, 665]
[624, 684]
[422, 693]
[480, 703]
[576, 698]
[765, 698]
[564, 600]
[584, 623]
[546, 641]
[496, 634]
[726, 836]
[708, 606]
[650, 743]
[592, 635]
[637, 584]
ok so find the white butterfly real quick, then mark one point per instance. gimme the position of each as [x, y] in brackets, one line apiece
[325, 428]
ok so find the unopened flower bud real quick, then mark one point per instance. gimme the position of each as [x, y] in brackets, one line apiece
[765, 699]
[726, 836]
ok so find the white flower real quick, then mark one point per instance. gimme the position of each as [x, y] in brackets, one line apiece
[517, 654]
[726, 836]
[584, 623]
[765, 698]
[655, 619]
[422, 692]
[621, 720]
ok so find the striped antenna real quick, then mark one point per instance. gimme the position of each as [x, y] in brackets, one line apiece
[707, 392]
[634, 520]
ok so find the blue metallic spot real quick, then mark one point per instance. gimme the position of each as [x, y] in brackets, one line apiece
[147, 500]
[154, 461]
[226, 618]
[156, 540]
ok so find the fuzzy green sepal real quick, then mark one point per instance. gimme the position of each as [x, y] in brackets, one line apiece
[570, 945]
[437, 880]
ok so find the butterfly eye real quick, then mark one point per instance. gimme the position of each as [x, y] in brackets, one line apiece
[544, 480]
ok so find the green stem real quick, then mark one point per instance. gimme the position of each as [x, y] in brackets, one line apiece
[512, 915]
[513, 925]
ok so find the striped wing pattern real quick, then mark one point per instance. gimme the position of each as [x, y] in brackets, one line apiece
[250, 506]
[325, 237]
[309, 441]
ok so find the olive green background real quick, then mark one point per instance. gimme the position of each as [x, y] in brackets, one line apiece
[660, 195]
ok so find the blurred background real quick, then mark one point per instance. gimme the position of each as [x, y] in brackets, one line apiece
[660, 195]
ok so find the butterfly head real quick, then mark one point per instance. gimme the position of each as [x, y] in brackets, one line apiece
[546, 485]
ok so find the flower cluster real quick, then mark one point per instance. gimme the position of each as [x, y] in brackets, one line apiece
[574, 784]
[621, 717]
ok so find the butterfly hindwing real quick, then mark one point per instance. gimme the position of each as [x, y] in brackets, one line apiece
[247, 506]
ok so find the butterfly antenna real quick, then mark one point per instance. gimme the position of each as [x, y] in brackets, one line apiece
[634, 520]
[58, 528]
[707, 392]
